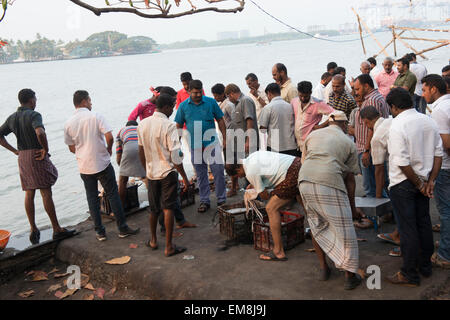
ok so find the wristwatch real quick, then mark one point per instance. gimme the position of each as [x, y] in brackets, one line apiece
[367, 150]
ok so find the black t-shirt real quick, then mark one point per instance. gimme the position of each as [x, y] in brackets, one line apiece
[23, 123]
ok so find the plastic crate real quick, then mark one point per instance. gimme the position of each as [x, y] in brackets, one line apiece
[131, 202]
[234, 224]
[292, 232]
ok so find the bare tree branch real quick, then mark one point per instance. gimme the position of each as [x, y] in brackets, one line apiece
[161, 5]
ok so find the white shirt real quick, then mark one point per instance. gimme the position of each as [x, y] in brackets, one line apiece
[86, 131]
[159, 137]
[376, 70]
[419, 71]
[413, 140]
[441, 114]
[379, 142]
[319, 91]
[266, 170]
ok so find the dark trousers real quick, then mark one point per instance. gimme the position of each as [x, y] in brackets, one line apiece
[179, 216]
[108, 181]
[414, 225]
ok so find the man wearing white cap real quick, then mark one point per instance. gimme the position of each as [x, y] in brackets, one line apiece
[327, 187]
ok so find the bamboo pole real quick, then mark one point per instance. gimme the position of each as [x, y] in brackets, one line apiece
[424, 39]
[389, 43]
[410, 47]
[371, 34]
[435, 47]
[395, 45]
[360, 34]
[420, 29]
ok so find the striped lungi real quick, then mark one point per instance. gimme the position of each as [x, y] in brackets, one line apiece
[36, 174]
[330, 218]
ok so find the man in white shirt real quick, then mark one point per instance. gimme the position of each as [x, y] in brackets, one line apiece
[160, 153]
[274, 177]
[379, 152]
[415, 158]
[84, 133]
[419, 71]
[365, 69]
[435, 93]
[374, 69]
[319, 90]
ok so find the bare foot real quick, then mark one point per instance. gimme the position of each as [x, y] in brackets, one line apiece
[187, 224]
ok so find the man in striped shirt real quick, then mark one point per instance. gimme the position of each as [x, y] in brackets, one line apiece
[364, 88]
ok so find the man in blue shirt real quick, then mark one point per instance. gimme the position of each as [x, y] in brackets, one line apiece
[198, 113]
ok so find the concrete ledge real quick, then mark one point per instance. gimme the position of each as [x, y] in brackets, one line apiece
[236, 273]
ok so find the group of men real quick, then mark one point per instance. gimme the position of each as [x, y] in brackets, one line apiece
[290, 143]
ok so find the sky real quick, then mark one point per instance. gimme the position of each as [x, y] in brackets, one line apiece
[61, 19]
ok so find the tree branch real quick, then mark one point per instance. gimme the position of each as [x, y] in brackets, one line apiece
[164, 11]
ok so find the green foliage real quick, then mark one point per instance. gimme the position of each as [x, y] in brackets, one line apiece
[98, 44]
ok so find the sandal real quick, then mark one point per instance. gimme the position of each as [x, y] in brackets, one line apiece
[176, 250]
[386, 237]
[203, 207]
[35, 236]
[396, 252]
[399, 278]
[65, 233]
[363, 223]
[436, 228]
[352, 283]
[272, 257]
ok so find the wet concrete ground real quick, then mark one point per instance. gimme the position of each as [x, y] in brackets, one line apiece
[215, 273]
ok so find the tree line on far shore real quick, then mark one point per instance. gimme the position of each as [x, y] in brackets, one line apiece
[106, 43]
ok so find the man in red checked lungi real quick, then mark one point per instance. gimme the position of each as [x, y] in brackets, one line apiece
[36, 169]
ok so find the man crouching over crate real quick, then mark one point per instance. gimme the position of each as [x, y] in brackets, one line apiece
[274, 177]
[160, 153]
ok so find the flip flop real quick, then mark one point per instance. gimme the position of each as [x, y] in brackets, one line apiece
[177, 250]
[363, 223]
[63, 234]
[272, 257]
[396, 252]
[386, 237]
[149, 245]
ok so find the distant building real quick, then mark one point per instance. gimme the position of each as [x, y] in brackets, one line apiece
[348, 27]
[226, 35]
[244, 34]
[316, 28]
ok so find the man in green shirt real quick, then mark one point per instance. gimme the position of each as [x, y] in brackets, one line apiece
[406, 79]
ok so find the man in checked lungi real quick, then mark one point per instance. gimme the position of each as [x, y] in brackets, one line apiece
[327, 187]
[35, 168]
[274, 176]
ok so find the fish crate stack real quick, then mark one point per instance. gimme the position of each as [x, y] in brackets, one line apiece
[292, 231]
[187, 198]
[132, 199]
[234, 223]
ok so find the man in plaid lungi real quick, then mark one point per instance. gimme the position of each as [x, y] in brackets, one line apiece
[327, 186]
